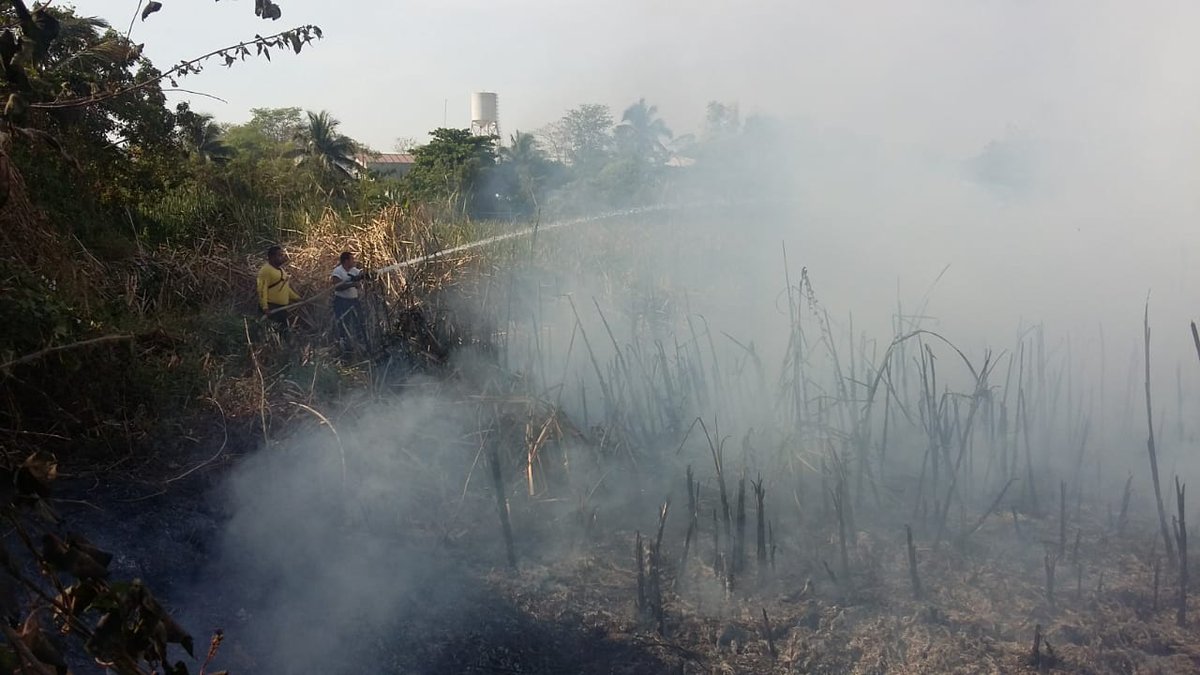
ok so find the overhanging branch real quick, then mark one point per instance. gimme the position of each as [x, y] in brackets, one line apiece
[295, 37]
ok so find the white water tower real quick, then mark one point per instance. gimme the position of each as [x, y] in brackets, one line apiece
[485, 114]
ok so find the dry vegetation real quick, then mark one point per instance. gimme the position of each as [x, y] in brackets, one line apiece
[175, 332]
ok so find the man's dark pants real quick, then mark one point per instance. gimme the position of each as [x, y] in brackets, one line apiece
[348, 318]
[279, 317]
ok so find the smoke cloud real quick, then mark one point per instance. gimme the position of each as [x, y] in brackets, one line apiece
[1017, 177]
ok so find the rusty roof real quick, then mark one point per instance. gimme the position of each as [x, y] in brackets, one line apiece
[385, 158]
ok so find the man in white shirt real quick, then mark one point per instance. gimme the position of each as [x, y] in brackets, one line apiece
[347, 313]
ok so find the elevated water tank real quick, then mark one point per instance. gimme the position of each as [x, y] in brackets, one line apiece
[485, 113]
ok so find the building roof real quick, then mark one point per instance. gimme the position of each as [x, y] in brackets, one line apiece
[385, 158]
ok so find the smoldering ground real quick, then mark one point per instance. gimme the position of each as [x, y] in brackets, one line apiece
[336, 564]
[635, 328]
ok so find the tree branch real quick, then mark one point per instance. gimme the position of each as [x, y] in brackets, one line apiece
[61, 348]
[195, 93]
[184, 68]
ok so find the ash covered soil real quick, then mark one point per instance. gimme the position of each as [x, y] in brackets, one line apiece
[442, 600]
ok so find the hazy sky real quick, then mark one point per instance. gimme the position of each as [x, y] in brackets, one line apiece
[950, 74]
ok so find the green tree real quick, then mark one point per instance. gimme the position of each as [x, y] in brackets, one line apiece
[86, 116]
[642, 133]
[277, 124]
[451, 170]
[721, 120]
[583, 137]
[247, 141]
[525, 172]
[84, 164]
[262, 187]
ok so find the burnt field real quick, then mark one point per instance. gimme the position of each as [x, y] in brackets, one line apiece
[638, 577]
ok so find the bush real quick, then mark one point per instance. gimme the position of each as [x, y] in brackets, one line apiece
[34, 307]
[182, 213]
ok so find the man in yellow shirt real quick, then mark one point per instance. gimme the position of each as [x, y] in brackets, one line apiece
[274, 287]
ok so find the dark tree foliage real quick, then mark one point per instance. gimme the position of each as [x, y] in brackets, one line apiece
[85, 108]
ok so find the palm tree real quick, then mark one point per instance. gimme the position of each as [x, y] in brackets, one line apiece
[523, 150]
[203, 137]
[79, 38]
[320, 142]
[528, 163]
[643, 132]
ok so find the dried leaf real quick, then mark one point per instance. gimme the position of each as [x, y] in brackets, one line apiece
[16, 105]
[7, 563]
[42, 510]
[80, 597]
[10, 603]
[71, 560]
[43, 466]
[172, 632]
[41, 646]
[43, 30]
[39, 469]
[54, 552]
[10, 661]
[9, 46]
[151, 7]
[76, 541]
[106, 637]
